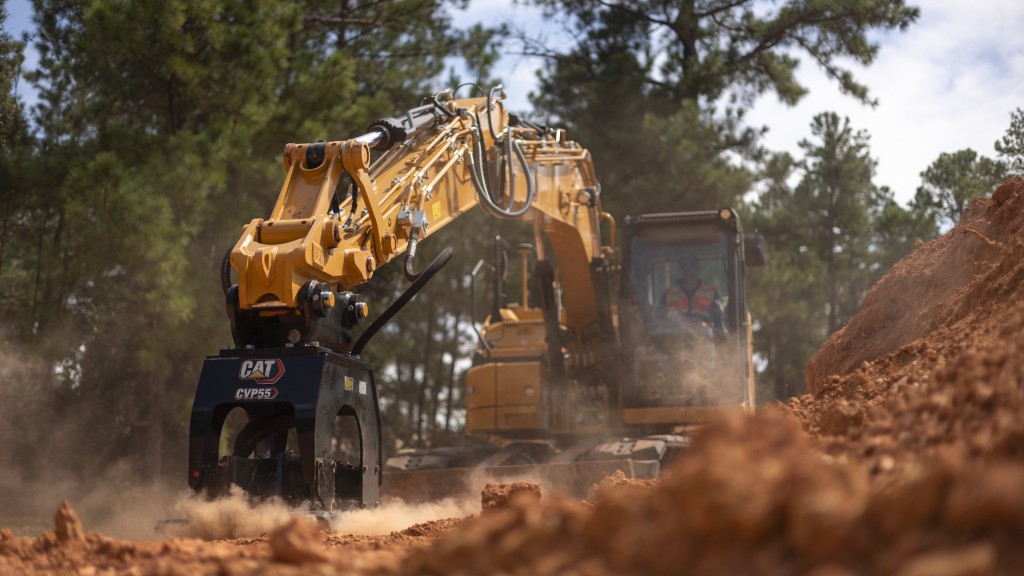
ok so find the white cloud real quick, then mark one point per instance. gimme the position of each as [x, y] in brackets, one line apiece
[948, 83]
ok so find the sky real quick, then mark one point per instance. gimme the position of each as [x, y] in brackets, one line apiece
[948, 83]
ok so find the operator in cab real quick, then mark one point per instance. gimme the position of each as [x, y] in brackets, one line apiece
[691, 303]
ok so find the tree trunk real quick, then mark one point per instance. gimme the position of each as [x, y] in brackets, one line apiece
[687, 28]
[410, 384]
[449, 401]
[830, 275]
[343, 14]
[155, 431]
[33, 309]
[435, 403]
[428, 349]
[4, 223]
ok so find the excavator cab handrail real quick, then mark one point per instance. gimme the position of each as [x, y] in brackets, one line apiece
[472, 305]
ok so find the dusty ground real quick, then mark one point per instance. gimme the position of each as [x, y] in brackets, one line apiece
[906, 459]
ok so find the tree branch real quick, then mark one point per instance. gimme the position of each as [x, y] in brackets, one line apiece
[340, 21]
[723, 8]
[634, 12]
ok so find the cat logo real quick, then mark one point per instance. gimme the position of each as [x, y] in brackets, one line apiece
[261, 371]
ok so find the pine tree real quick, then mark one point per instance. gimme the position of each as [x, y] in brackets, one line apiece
[836, 191]
[161, 130]
[1011, 146]
[953, 180]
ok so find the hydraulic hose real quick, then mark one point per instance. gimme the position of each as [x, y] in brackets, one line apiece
[490, 123]
[485, 193]
[404, 299]
[225, 272]
[354, 204]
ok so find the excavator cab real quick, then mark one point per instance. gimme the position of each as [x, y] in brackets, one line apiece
[684, 306]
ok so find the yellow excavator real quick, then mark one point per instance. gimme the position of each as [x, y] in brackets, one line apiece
[624, 350]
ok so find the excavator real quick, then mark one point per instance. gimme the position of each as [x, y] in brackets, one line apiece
[609, 369]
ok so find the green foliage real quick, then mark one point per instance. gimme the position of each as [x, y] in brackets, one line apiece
[896, 231]
[1011, 146]
[706, 50]
[830, 237]
[658, 91]
[652, 151]
[10, 65]
[787, 296]
[161, 126]
[835, 193]
[953, 180]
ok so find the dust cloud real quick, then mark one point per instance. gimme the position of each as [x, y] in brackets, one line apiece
[44, 428]
[231, 516]
[397, 515]
[712, 373]
[692, 371]
[237, 516]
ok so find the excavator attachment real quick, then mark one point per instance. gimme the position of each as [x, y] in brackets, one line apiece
[302, 389]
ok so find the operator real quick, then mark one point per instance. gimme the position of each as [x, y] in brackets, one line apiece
[693, 300]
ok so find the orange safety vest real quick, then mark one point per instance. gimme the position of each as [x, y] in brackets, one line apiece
[700, 305]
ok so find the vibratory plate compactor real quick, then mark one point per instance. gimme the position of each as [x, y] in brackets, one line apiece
[305, 427]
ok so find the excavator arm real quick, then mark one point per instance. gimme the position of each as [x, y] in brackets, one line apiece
[296, 268]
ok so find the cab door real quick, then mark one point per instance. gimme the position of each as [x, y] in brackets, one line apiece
[684, 319]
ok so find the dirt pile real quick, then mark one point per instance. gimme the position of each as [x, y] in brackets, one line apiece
[754, 496]
[950, 385]
[959, 279]
[296, 547]
[908, 459]
[615, 482]
[296, 542]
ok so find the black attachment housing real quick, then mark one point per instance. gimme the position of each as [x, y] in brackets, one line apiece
[304, 388]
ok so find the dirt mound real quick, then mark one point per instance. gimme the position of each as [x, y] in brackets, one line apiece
[954, 392]
[755, 496]
[908, 459]
[297, 542]
[944, 282]
[791, 509]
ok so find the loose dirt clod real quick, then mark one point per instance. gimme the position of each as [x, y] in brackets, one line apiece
[66, 525]
[496, 496]
[616, 481]
[296, 542]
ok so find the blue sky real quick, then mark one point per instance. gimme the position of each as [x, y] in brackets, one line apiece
[949, 82]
